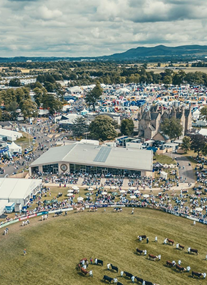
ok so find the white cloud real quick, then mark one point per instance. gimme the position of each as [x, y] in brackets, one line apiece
[46, 14]
[98, 27]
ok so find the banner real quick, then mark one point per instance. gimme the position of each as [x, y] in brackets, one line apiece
[42, 213]
[60, 210]
[27, 217]
[9, 223]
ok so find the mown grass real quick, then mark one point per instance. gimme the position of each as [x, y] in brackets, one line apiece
[164, 159]
[54, 247]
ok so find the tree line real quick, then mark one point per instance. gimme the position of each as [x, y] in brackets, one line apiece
[14, 101]
[85, 73]
[195, 142]
[18, 101]
[102, 128]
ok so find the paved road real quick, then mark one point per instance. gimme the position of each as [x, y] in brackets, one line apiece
[185, 170]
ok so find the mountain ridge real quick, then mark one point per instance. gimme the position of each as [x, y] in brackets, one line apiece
[159, 52]
[162, 51]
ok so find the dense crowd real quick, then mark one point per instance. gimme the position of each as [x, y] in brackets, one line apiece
[179, 203]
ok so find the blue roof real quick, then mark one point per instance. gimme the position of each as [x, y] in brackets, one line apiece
[102, 154]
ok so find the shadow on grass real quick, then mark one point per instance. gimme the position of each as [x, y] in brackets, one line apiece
[165, 265]
[83, 275]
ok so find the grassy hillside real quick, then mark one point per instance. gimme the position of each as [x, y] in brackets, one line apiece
[54, 247]
[161, 51]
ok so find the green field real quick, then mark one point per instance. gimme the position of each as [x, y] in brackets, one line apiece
[54, 248]
[185, 69]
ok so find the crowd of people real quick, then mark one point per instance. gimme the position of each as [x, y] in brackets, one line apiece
[178, 203]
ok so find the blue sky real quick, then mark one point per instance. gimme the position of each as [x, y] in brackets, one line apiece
[98, 27]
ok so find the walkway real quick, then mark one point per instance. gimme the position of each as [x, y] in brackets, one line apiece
[182, 186]
[80, 181]
[185, 171]
[125, 183]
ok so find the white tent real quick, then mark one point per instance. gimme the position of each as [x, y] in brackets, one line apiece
[75, 188]
[203, 132]
[146, 195]
[3, 203]
[14, 148]
[66, 107]
[132, 188]
[80, 199]
[18, 190]
[163, 174]
[133, 197]
[84, 112]
[90, 189]
[10, 135]
[43, 112]
[113, 187]
[196, 114]
[199, 209]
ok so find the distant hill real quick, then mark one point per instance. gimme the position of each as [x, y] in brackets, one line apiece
[161, 51]
[157, 53]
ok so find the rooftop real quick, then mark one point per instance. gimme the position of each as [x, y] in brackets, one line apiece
[103, 156]
[13, 188]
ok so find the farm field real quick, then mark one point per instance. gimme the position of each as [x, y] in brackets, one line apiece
[54, 247]
[185, 69]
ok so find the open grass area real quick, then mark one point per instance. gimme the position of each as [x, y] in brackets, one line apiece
[54, 247]
[164, 159]
[24, 141]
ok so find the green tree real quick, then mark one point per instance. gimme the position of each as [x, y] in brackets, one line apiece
[204, 150]
[49, 86]
[204, 111]
[38, 96]
[37, 84]
[6, 116]
[186, 144]
[172, 128]
[14, 82]
[179, 77]
[167, 79]
[8, 96]
[198, 143]
[79, 127]
[12, 108]
[102, 128]
[127, 127]
[145, 65]
[29, 108]
[51, 103]
[19, 95]
[94, 95]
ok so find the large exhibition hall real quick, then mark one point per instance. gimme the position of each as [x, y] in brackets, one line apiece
[87, 158]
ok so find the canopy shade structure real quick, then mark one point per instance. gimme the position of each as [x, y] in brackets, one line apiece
[80, 199]
[75, 188]
[18, 190]
[14, 148]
